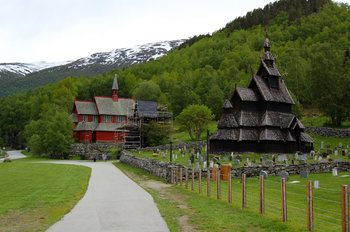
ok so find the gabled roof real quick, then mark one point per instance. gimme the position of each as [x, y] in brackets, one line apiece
[227, 104]
[106, 106]
[147, 109]
[280, 94]
[86, 107]
[306, 138]
[246, 94]
[277, 119]
[225, 134]
[270, 68]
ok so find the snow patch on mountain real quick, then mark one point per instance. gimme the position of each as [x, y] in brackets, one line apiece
[26, 68]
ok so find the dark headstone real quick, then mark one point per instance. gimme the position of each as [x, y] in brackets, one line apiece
[192, 158]
[237, 162]
[304, 173]
[264, 173]
[293, 161]
[261, 160]
[285, 175]
[239, 158]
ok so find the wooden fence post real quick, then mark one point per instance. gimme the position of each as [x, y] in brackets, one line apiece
[310, 206]
[345, 207]
[186, 178]
[176, 175]
[192, 176]
[200, 181]
[229, 188]
[218, 192]
[244, 191]
[262, 194]
[284, 199]
[180, 176]
[208, 182]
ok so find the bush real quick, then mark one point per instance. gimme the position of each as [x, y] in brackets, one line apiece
[116, 152]
[155, 134]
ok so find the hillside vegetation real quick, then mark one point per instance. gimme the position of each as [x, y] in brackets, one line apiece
[311, 39]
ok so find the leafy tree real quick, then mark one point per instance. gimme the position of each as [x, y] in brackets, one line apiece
[195, 119]
[148, 91]
[155, 134]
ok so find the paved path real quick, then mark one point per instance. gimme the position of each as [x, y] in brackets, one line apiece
[14, 155]
[112, 202]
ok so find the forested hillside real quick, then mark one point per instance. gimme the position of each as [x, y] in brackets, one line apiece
[312, 46]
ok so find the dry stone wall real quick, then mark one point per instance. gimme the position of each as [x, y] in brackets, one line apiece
[92, 150]
[163, 169]
[328, 132]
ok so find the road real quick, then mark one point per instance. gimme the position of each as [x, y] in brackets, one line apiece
[14, 155]
[112, 202]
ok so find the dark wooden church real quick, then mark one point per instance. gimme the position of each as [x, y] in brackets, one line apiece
[259, 118]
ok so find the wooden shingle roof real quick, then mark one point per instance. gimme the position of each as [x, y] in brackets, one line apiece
[280, 94]
[246, 94]
[225, 134]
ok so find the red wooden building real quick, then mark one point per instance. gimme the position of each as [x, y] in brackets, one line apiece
[103, 119]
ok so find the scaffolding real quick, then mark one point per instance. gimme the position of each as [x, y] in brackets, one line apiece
[129, 133]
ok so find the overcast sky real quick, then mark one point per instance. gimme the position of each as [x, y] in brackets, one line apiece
[60, 30]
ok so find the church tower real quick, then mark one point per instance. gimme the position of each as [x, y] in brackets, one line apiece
[115, 89]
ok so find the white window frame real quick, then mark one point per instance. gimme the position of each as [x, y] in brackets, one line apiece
[94, 118]
[85, 118]
[107, 118]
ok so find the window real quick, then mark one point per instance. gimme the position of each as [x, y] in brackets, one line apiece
[107, 118]
[85, 118]
[94, 118]
[119, 118]
[87, 133]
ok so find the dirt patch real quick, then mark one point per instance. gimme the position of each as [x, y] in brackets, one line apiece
[16, 220]
[153, 184]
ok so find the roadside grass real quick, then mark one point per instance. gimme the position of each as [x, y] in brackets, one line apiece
[34, 196]
[203, 213]
[327, 199]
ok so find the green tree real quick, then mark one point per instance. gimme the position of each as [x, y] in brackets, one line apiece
[147, 91]
[155, 134]
[195, 119]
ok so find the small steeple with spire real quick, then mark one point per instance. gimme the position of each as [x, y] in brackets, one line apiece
[115, 89]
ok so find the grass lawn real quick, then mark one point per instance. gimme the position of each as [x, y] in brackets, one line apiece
[34, 196]
[186, 210]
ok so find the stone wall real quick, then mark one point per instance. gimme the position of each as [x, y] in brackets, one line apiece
[328, 132]
[157, 168]
[175, 146]
[92, 150]
[162, 169]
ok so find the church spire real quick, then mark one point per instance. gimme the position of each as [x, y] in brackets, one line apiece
[115, 89]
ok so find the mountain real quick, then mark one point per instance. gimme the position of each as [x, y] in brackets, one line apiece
[19, 77]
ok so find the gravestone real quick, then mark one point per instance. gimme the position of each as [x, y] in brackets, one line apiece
[312, 154]
[319, 159]
[249, 164]
[285, 175]
[231, 157]
[264, 173]
[205, 164]
[197, 166]
[225, 159]
[236, 162]
[192, 158]
[322, 145]
[211, 164]
[239, 158]
[304, 173]
[266, 156]
[189, 163]
[340, 145]
[291, 156]
[268, 162]
[329, 151]
[336, 152]
[296, 155]
[261, 160]
[335, 172]
[293, 161]
[315, 158]
[274, 158]
[316, 184]
[328, 156]
[281, 158]
[301, 161]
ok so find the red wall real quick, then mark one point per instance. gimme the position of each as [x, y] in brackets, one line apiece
[106, 136]
[81, 136]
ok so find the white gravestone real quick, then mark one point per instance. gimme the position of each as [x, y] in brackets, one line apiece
[316, 184]
[336, 152]
[335, 172]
